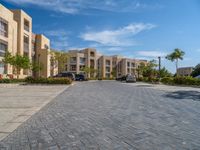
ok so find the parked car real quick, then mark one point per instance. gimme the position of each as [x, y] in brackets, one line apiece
[80, 77]
[130, 78]
[127, 78]
[65, 74]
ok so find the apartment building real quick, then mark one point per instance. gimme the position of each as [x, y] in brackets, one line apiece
[8, 37]
[16, 36]
[105, 67]
[184, 71]
[24, 34]
[42, 56]
[80, 59]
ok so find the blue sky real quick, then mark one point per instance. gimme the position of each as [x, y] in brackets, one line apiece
[142, 29]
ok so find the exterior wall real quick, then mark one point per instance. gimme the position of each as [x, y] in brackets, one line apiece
[23, 30]
[186, 71]
[11, 39]
[42, 55]
[90, 60]
[104, 69]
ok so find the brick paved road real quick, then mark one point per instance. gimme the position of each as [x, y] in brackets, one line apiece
[111, 115]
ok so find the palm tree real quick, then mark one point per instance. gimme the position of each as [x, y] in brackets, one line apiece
[175, 56]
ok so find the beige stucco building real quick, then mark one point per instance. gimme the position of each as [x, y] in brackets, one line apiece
[8, 37]
[80, 59]
[16, 36]
[117, 66]
[184, 71]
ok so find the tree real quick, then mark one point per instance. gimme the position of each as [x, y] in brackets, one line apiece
[114, 73]
[150, 69]
[88, 70]
[175, 56]
[36, 67]
[140, 69]
[18, 62]
[61, 57]
[164, 73]
[196, 71]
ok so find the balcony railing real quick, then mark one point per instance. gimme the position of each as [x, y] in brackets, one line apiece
[26, 28]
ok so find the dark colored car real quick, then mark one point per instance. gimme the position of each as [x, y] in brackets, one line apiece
[65, 74]
[80, 77]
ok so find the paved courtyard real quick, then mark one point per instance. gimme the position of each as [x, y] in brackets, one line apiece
[106, 115]
[19, 102]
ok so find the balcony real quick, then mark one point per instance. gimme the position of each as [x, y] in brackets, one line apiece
[26, 28]
[26, 47]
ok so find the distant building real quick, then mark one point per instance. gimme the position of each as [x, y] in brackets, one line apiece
[184, 71]
[79, 59]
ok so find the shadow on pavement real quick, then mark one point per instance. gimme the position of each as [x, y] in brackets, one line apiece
[194, 95]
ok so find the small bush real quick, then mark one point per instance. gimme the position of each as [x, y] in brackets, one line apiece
[167, 80]
[48, 80]
[181, 81]
[11, 80]
[108, 78]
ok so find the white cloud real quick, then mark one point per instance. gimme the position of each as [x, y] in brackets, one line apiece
[80, 6]
[59, 39]
[119, 37]
[151, 53]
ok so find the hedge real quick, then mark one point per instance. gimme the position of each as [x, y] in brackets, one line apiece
[48, 80]
[181, 81]
[11, 80]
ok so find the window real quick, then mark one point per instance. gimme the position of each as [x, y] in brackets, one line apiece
[72, 59]
[82, 60]
[26, 43]
[128, 64]
[132, 64]
[107, 69]
[46, 46]
[73, 68]
[92, 54]
[3, 28]
[107, 62]
[3, 48]
[26, 25]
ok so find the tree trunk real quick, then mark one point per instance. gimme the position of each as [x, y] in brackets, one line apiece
[176, 67]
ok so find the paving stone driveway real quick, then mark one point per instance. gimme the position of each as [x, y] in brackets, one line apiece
[111, 115]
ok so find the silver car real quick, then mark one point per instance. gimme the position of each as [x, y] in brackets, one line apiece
[130, 78]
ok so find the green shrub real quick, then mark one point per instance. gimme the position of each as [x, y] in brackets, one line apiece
[167, 80]
[11, 80]
[48, 80]
[108, 78]
[181, 81]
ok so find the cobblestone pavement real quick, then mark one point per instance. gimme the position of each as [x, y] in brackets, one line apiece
[110, 115]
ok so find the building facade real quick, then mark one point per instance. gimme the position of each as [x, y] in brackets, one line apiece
[16, 37]
[184, 71]
[8, 38]
[81, 59]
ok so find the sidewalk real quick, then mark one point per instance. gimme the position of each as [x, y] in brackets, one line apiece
[18, 103]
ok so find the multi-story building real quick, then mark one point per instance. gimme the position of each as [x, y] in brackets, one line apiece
[80, 59]
[116, 66]
[16, 37]
[8, 37]
[24, 35]
[105, 68]
[42, 56]
[184, 71]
